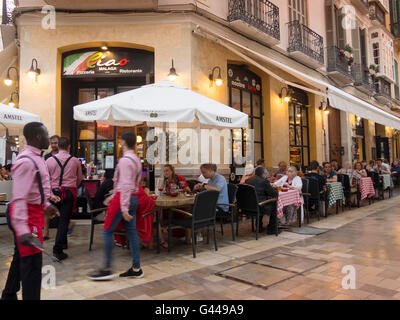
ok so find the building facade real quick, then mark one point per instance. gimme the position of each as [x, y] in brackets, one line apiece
[264, 50]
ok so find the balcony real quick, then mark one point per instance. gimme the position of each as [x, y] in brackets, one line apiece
[338, 67]
[395, 29]
[383, 91]
[91, 5]
[376, 14]
[363, 80]
[361, 5]
[256, 18]
[305, 45]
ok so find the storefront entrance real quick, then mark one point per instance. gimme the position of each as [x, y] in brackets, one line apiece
[90, 75]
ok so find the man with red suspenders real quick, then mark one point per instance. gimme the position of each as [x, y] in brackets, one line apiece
[30, 201]
[65, 177]
[123, 206]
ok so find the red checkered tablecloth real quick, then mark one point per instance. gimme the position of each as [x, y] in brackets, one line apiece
[366, 187]
[288, 198]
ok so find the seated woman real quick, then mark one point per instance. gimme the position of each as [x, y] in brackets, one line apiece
[281, 171]
[290, 181]
[359, 172]
[172, 179]
[248, 173]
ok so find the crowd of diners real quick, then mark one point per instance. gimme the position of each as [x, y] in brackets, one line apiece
[267, 186]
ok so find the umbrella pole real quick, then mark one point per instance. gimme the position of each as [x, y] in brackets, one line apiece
[164, 149]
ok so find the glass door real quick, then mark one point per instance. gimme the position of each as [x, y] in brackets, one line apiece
[95, 141]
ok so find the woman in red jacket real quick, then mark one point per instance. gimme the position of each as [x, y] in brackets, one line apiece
[171, 181]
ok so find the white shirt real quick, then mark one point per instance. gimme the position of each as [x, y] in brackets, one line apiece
[201, 179]
[296, 183]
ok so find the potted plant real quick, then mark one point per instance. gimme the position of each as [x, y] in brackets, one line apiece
[372, 69]
[350, 61]
[348, 51]
[341, 54]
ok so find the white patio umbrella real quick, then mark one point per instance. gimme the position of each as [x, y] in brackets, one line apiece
[14, 119]
[158, 103]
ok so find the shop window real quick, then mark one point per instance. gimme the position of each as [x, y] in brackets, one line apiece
[299, 134]
[245, 96]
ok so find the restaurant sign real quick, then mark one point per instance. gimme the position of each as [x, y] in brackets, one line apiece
[123, 62]
[242, 78]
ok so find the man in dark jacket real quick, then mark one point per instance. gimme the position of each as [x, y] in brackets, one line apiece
[264, 192]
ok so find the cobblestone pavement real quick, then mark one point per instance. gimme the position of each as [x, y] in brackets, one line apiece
[290, 266]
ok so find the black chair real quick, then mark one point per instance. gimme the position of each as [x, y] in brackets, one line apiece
[93, 217]
[247, 203]
[314, 197]
[222, 216]
[306, 196]
[344, 179]
[203, 216]
[377, 183]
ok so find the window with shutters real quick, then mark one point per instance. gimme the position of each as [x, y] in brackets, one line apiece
[298, 11]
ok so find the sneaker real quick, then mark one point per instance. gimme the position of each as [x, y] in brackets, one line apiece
[71, 229]
[132, 274]
[101, 275]
[60, 256]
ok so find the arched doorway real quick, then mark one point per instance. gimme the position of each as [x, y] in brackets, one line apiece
[90, 74]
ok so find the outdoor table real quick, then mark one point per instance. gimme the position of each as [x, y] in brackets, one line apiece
[166, 202]
[288, 198]
[387, 181]
[335, 193]
[366, 187]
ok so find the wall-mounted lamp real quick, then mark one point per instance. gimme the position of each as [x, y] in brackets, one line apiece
[8, 81]
[286, 94]
[13, 101]
[324, 107]
[34, 71]
[139, 139]
[172, 75]
[218, 79]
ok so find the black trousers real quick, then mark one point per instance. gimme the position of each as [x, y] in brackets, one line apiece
[65, 209]
[27, 270]
[269, 209]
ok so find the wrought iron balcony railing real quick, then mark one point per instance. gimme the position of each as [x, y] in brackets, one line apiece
[382, 87]
[303, 39]
[395, 29]
[338, 63]
[376, 13]
[363, 78]
[365, 3]
[261, 14]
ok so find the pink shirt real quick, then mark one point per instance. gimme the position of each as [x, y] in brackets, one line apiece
[72, 172]
[127, 178]
[26, 187]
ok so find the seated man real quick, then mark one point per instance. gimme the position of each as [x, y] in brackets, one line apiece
[396, 167]
[264, 192]
[314, 174]
[381, 167]
[330, 174]
[215, 182]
